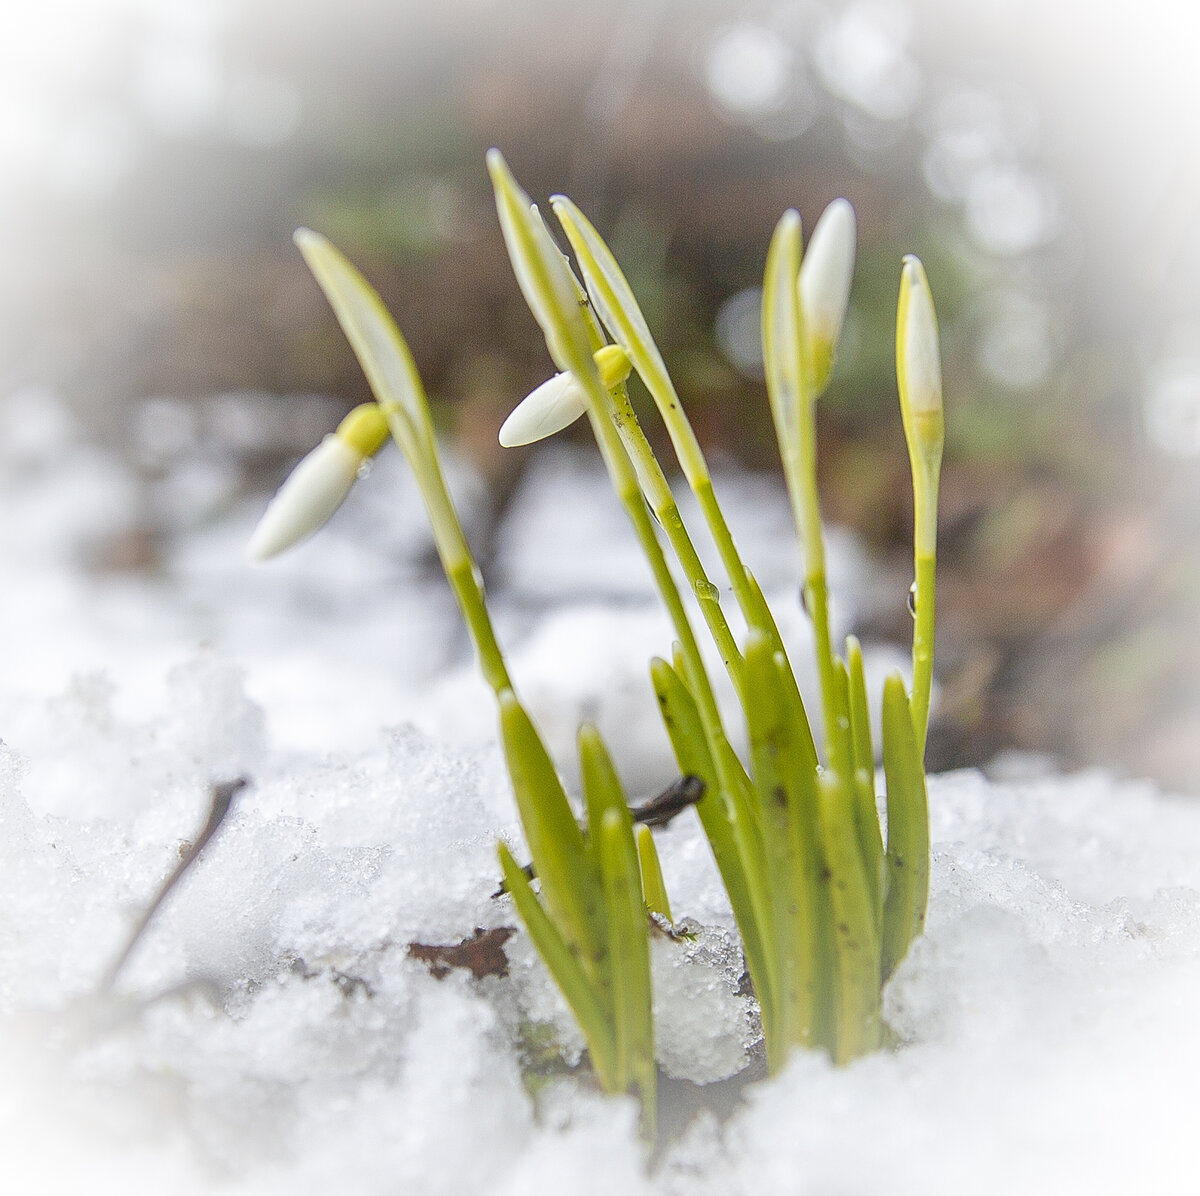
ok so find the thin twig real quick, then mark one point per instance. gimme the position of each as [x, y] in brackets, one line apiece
[655, 811]
[221, 797]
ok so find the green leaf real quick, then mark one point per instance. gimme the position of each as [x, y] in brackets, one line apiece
[594, 1019]
[570, 882]
[758, 613]
[784, 778]
[684, 729]
[908, 828]
[629, 952]
[654, 889]
[797, 717]
[738, 873]
[870, 836]
[602, 789]
[860, 717]
[858, 987]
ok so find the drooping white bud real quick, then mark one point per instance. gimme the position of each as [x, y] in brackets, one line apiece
[320, 483]
[825, 275]
[558, 402]
[307, 499]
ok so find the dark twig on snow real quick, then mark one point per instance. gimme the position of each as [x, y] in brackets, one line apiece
[221, 797]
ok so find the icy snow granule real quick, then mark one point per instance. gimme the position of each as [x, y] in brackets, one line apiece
[703, 1024]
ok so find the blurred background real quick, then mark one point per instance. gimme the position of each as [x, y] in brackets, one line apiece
[1042, 157]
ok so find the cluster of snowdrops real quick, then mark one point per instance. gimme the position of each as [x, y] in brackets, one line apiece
[826, 900]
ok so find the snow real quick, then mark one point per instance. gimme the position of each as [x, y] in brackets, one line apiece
[272, 1033]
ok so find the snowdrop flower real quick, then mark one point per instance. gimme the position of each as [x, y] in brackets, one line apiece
[824, 283]
[560, 401]
[317, 486]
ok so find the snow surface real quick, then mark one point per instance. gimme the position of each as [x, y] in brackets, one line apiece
[272, 1034]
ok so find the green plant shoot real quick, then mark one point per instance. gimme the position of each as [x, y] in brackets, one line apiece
[588, 921]
[825, 906]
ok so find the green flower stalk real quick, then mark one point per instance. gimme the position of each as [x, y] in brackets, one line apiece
[919, 373]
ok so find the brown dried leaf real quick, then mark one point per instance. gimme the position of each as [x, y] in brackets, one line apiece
[482, 953]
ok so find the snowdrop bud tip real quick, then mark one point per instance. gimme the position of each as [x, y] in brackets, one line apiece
[824, 285]
[559, 401]
[305, 502]
[827, 269]
[918, 355]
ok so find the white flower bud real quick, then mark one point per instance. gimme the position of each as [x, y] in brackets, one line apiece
[560, 400]
[827, 269]
[309, 497]
[554, 405]
[918, 355]
[825, 275]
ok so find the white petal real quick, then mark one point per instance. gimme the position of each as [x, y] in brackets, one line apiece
[559, 401]
[304, 503]
[922, 357]
[827, 269]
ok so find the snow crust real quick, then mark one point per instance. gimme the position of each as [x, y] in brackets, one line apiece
[272, 1032]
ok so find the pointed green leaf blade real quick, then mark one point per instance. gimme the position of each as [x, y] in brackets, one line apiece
[772, 754]
[717, 815]
[858, 1026]
[595, 1020]
[870, 836]
[654, 888]
[629, 951]
[908, 827]
[570, 884]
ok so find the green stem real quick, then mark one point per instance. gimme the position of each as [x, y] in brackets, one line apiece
[658, 494]
[922, 651]
[699, 479]
[926, 470]
[618, 307]
[800, 472]
[461, 571]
